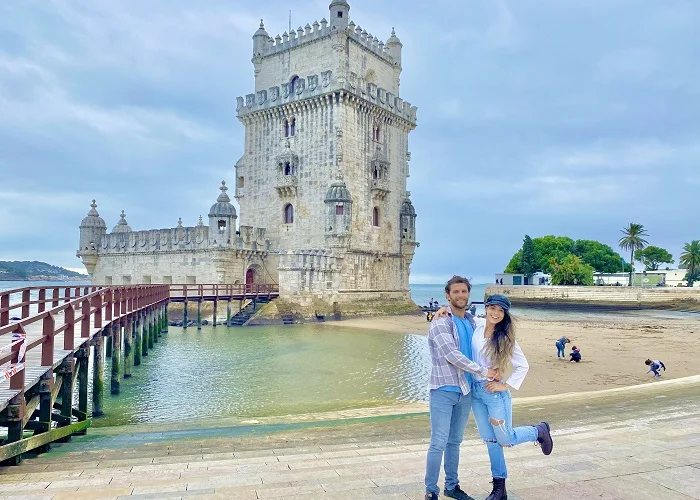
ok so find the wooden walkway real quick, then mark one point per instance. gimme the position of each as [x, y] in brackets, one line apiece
[45, 340]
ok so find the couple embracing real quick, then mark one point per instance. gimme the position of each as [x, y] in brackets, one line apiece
[468, 357]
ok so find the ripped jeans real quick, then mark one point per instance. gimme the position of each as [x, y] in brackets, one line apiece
[493, 413]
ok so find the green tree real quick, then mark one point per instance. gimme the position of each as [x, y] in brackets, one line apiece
[599, 255]
[515, 265]
[633, 240]
[571, 270]
[527, 258]
[690, 260]
[652, 257]
[550, 246]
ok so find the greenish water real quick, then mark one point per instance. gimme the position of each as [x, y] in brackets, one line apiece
[224, 372]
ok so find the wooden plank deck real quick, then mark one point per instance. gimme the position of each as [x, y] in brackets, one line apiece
[33, 368]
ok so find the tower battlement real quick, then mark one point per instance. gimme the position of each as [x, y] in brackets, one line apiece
[319, 85]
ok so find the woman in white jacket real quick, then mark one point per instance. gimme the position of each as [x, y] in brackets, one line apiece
[494, 346]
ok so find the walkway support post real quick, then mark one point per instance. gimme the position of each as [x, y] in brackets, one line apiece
[128, 350]
[228, 312]
[184, 315]
[156, 323]
[144, 333]
[109, 342]
[115, 382]
[82, 365]
[65, 371]
[137, 338]
[216, 302]
[165, 312]
[199, 314]
[151, 327]
[98, 375]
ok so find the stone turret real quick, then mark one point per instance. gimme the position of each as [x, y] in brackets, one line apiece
[92, 229]
[222, 219]
[122, 226]
[340, 13]
[394, 47]
[338, 210]
[261, 41]
[408, 221]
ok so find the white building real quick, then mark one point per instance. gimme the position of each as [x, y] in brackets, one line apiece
[321, 186]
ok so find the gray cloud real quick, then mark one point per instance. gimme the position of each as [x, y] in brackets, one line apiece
[535, 117]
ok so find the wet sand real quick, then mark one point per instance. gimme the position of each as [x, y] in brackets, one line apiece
[613, 348]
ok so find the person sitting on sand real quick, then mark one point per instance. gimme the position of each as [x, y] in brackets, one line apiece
[575, 355]
[561, 343]
[655, 366]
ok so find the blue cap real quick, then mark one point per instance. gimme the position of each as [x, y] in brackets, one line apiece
[498, 300]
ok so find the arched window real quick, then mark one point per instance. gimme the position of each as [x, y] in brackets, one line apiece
[340, 209]
[288, 214]
[287, 169]
[285, 126]
[376, 173]
[376, 133]
[293, 84]
[293, 127]
[375, 216]
[222, 226]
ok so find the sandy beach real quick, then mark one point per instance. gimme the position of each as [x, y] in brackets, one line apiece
[613, 349]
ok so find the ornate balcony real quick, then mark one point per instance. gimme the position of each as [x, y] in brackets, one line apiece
[286, 185]
[380, 188]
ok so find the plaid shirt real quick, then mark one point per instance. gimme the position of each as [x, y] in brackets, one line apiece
[449, 364]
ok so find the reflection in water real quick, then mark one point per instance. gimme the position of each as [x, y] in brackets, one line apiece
[263, 371]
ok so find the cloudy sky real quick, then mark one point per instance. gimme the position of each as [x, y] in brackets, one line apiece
[570, 117]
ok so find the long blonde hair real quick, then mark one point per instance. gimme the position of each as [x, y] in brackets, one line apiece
[500, 346]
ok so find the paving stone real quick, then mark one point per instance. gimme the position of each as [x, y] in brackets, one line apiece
[684, 480]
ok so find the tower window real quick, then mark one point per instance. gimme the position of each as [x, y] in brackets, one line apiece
[340, 209]
[375, 216]
[293, 127]
[285, 126]
[340, 15]
[288, 169]
[288, 214]
[293, 84]
[375, 133]
[376, 173]
[222, 226]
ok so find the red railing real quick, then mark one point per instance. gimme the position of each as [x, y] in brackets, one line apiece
[222, 291]
[97, 305]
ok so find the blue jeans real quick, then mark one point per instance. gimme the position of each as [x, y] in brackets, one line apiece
[449, 412]
[560, 349]
[493, 412]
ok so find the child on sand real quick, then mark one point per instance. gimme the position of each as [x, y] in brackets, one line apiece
[561, 343]
[655, 366]
[575, 355]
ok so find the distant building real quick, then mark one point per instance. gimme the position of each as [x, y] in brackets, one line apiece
[515, 279]
[324, 210]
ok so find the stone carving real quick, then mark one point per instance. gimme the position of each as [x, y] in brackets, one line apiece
[262, 97]
[250, 100]
[285, 90]
[326, 78]
[299, 86]
[274, 93]
[239, 103]
[313, 82]
[353, 80]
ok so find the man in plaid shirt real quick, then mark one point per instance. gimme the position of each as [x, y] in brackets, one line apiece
[449, 340]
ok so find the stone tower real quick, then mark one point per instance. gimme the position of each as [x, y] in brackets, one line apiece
[326, 161]
[92, 229]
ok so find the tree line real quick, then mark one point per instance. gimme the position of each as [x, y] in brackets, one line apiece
[571, 261]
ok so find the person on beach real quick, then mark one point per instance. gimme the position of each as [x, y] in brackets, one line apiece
[449, 342]
[561, 344]
[575, 355]
[655, 366]
[494, 346]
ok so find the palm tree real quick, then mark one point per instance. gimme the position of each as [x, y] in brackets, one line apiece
[633, 241]
[690, 259]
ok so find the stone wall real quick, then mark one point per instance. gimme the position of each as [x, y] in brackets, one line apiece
[615, 297]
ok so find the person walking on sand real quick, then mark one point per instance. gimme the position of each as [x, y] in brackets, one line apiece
[449, 342]
[494, 346]
[655, 366]
[561, 344]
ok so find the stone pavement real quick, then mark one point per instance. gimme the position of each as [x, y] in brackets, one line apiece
[631, 455]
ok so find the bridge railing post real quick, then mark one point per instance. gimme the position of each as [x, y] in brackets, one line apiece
[5, 309]
[69, 332]
[85, 322]
[25, 304]
[41, 307]
[48, 327]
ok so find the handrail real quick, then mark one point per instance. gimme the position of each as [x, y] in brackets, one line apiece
[217, 290]
[102, 304]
